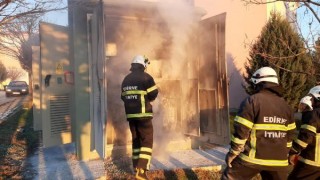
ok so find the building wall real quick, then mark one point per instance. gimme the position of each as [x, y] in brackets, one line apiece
[243, 25]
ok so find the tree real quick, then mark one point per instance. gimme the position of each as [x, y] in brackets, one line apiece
[18, 37]
[14, 73]
[11, 10]
[310, 5]
[3, 72]
[280, 47]
[317, 50]
[19, 22]
[305, 16]
[316, 57]
[17, 40]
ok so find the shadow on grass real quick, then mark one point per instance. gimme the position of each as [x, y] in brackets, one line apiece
[9, 163]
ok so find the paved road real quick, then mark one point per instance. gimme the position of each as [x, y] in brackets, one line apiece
[4, 99]
[9, 104]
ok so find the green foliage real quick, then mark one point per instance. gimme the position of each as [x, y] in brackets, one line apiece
[280, 47]
[3, 72]
[316, 57]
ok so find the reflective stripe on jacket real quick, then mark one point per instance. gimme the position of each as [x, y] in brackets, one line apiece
[308, 141]
[264, 130]
[138, 90]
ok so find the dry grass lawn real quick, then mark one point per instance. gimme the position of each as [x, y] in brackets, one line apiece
[17, 141]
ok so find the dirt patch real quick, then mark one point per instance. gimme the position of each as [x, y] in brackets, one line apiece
[120, 168]
[17, 141]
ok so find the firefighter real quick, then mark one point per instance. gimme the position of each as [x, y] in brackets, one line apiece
[138, 90]
[263, 132]
[305, 105]
[307, 145]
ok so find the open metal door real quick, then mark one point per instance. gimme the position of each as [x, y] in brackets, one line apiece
[97, 79]
[56, 85]
[213, 91]
[36, 83]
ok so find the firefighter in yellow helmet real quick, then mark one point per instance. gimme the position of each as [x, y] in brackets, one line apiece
[307, 145]
[138, 90]
[263, 132]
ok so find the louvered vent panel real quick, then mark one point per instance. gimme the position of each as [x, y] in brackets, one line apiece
[60, 114]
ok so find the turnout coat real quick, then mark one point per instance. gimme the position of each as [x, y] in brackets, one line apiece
[264, 129]
[138, 90]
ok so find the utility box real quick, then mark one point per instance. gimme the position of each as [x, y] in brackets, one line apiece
[187, 62]
[187, 57]
[56, 76]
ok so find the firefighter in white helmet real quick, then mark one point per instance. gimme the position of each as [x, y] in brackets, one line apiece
[263, 132]
[305, 104]
[307, 145]
[138, 90]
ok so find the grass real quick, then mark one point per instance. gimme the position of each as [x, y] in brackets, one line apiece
[17, 141]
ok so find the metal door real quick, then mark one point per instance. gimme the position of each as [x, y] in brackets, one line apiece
[213, 91]
[97, 80]
[56, 86]
[36, 83]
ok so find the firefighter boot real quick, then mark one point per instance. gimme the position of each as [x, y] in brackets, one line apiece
[141, 174]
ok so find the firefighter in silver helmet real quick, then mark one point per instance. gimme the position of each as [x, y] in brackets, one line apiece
[263, 132]
[138, 90]
[307, 146]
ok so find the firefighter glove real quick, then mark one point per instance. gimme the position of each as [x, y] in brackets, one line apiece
[229, 158]
[293, 158]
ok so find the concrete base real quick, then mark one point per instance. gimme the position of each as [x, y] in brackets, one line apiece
[177, 145]
[212, 159]
[183, 154]
[60, 162]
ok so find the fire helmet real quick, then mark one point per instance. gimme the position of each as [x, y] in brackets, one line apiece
[315, 91]
[139, 59]
[265, 74]
[307, 100]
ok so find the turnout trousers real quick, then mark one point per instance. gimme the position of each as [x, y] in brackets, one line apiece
[304, 171]
[142, 141]
[240, 171]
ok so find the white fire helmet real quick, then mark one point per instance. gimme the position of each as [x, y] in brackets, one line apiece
[265, 74]
[315, 91]
[307, 100]
[139, 59]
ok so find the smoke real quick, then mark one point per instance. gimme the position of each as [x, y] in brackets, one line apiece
[170, 120]
[167, 37]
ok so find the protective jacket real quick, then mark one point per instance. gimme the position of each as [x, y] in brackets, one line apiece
[138, 90]
[264, 130]
[308, 141]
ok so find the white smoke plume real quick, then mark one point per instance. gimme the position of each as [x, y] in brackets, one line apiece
[167, 37]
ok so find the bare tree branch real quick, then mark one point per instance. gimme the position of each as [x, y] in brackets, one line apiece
[267, 2]
[313, 11]
[14, 73]
[15, 9]
[306, 3]
[311, 6]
